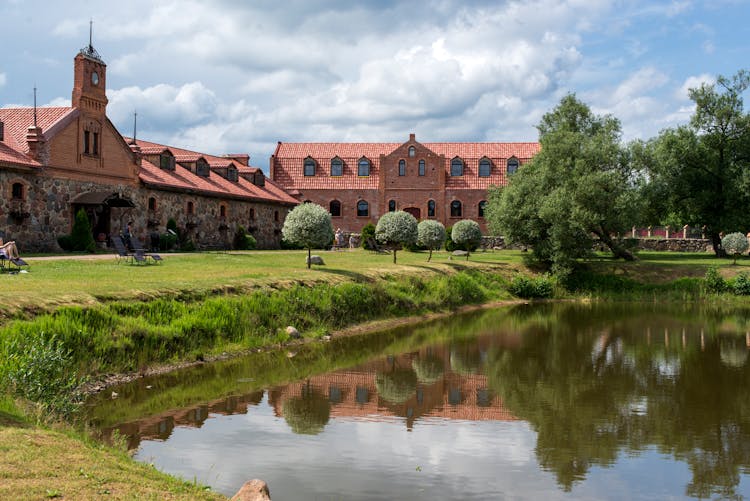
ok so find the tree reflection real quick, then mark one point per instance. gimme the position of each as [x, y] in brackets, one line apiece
[593, 389]
[397, 385]
[429, 368]
[309, 413]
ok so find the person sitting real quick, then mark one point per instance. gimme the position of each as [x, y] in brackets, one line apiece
[9, 249]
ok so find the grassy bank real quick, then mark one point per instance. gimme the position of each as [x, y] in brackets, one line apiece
[71, 318]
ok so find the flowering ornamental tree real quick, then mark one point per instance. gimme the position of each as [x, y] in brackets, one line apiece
[467, 232]
[308, 225]
[430, 234]
[735, 244]
[396, 229]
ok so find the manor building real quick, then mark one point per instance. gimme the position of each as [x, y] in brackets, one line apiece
[57, 160]
[359, 182]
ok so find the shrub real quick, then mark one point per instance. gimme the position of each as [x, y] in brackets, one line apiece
[308, 225]
[243, 240]
[450, 246]
[734, 245]
[713, 282]
[531, 288]
[65, 242]
[741, 284]
[467, 234]
[368, 232]
[430, 234]
[396, 229]
[81, 236]
[167, 241]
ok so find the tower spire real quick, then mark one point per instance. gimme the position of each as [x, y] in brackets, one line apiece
[91, 33]
[35, 105]
[89, 51]
[135, 124]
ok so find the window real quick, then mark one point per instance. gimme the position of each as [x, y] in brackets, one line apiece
[202, 168]
[95, 146]
[457, 167]
[17, 191]
[337, 167]
[421, 167]
[276, 216]
[190, 208]
[252, 214]
[363, 167]
[309, 167]
[512, 165]
[391, 206]
[402, 167]
[86, 142]
[485, 167]
[151, 203]
[455, 208]
[335, 208]
[222, 211]
[166, 161]
[482, 206]
[430, 208]
[233, 174]
[412, 151]
[363, 209]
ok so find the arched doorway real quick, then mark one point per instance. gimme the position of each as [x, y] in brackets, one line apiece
[414, 211]
[101, 207]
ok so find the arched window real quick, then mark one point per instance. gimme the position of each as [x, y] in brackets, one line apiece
[421, 167]
[363, 209]
[335, 208]
[151, 203]
[309, 167]
[512, 165]
[222, 210]
[430, 208]
[276, 215]
[337, 167]
[17, 191]
[190, 208]
[457, 167]
[412, 151]
[485, 167]
[482, 206]
[363, 167]
[402, 167]
[252, 214]
[455, 208]
[391, 206]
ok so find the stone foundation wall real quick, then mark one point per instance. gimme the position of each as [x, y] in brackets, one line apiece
[46, 213]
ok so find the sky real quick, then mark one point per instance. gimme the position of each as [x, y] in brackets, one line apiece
[233, 76]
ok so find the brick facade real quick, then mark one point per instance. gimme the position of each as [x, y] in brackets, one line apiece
[411, 176]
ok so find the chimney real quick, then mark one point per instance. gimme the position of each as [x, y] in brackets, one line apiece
[412, 138]
[240, 158]
[37, 144]
[136, 152]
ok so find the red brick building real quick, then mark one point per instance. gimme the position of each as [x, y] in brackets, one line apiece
[57, 160]
[359, 182]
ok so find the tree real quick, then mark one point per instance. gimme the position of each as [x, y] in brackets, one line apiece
[430, 234]
[468, 234]
[308, 225]
[579, 186]
[81, 235]
[396, 229]
[734, 244]
[700, 171]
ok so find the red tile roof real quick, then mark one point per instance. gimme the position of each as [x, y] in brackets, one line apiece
[14, 148]
[183, 179]
[289, 158]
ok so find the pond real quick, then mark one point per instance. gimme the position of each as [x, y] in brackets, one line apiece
[555, 401]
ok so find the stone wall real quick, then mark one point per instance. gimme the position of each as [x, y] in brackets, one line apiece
[653, 244]
[46, 212]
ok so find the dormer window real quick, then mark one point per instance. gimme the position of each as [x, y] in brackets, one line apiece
[363, 167]
[485, 167]
[457, 167]
[421, 167]
[166, 161]
[337, 167]
[232, 174]
[412, 151]
[202, 168]
[512, 165]
[402, 167]
[259, 179]
[309, 167]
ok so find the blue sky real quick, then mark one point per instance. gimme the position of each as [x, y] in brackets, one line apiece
[236, 76]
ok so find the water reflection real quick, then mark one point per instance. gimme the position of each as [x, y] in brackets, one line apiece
[601, 386]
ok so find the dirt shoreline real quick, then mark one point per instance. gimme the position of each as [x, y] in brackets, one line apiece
[105, 381]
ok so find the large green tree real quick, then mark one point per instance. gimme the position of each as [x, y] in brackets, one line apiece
[308, 225]
[577, 189]
[699, 171]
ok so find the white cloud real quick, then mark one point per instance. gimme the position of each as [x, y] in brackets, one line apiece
[163, 104]
[3, 79]
[693, 82]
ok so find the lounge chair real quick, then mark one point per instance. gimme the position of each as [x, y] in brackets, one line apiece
[12, 264]
[123, 254]
[373, 245]
[140, 253]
